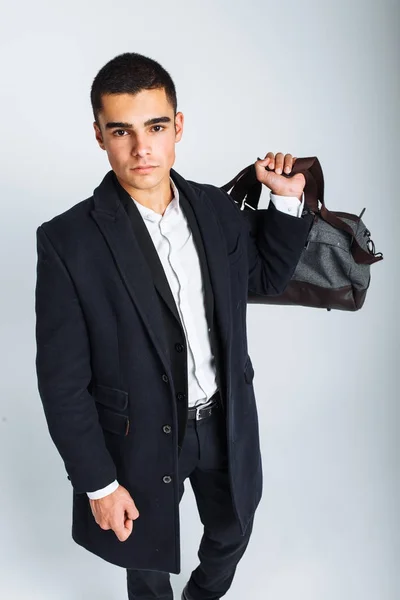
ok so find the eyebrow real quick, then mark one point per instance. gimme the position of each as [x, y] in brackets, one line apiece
[121, 125]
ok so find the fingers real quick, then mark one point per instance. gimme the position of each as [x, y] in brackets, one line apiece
[121, 526]
[122, 523]
[280, 163]
[128, 524]
[279, 160]
[131, 511]
[268, 160]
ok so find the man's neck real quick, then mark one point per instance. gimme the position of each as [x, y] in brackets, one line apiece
[156, 198]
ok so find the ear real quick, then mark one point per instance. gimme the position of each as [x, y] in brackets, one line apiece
[98, 135]
[179, 119]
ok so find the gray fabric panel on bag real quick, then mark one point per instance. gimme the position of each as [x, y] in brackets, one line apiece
[330, 247]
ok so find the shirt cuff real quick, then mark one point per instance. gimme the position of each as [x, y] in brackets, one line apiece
[109, 489]
[288, 204]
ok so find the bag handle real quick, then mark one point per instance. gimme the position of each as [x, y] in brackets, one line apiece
[246, 191]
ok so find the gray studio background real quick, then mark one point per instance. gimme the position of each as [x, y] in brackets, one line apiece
[309, 78]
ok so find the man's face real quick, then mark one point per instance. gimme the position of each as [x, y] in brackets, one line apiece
[139, 130]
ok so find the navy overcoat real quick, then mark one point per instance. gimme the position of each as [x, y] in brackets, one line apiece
[105, 378]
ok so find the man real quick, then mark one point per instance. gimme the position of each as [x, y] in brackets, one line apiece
[142, 359]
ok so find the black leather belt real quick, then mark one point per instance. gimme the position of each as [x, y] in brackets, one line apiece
[204, 410]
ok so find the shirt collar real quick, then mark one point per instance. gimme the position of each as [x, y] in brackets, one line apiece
[151, 215]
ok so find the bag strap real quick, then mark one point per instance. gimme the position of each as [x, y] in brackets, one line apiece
[245, 190]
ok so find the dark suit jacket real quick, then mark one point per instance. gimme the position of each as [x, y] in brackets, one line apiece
[108, 375]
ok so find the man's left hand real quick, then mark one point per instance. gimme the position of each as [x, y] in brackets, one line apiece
[274, 180]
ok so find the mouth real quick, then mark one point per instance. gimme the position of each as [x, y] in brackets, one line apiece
[144, 169]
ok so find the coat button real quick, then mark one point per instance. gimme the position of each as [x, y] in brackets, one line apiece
[180, 396]
[167, 429]
[179, 347]
[167, 479]
[165, 378]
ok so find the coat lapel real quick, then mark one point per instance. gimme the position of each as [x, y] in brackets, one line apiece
[113, 221]
[151, 256]
[216, 256]
[199, 243]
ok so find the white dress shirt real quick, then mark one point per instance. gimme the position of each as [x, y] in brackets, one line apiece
[175, 246]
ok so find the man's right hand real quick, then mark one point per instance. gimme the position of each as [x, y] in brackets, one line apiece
[116, 511]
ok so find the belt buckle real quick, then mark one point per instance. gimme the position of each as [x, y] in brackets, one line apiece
[204, 408]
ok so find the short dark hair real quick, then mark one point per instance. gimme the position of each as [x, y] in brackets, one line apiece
[130, 73]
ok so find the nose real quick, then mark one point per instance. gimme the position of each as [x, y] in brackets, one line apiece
[141, 146]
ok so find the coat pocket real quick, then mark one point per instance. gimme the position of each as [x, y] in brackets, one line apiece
[112, 421]
[108, 402]
[111, 397]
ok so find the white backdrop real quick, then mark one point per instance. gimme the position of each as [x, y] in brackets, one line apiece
[311, 78]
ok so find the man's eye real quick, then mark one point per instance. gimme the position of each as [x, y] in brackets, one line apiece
[117, 132]
[160, 126]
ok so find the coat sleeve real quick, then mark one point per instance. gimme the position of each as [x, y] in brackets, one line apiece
[275, 241]
[64, 372]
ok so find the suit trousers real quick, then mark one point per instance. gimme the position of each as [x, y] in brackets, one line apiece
[203, 459]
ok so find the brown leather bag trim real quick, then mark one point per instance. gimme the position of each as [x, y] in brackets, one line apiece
[307, 294]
